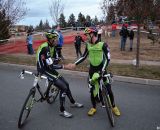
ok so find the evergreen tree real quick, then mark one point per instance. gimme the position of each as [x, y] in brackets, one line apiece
[4, 25]
[46, 25]
[95, 20]
[81, 19]
[62, 21]
[71, 20]
[88, 21]
[41, 27]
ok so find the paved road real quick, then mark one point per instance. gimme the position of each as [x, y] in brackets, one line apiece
[139, 104]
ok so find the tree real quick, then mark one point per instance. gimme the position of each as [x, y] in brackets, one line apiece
[11, 11]
[4, 32]
[62, 21]
[81, 19]
[41, 25]
[140, 10]
[88, 21]
[15, 9]
[56, 9]
[46, 25]
[71, 20]
[108, 9]
[95, 20]
[111, 16]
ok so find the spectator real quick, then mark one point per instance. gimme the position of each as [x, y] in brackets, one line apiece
[100, 31]
[124, 34]
[131, 37]
[29, 41]
[107, 31]
[77, 43]
[60, 44]
[114, 27]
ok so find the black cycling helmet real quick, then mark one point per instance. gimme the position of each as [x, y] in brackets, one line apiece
[90, 30]
[52, 35]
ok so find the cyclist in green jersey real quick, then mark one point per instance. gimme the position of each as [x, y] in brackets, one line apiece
[46, 66]
[99, 58]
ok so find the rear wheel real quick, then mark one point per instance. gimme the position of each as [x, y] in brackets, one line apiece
[52, 94]
[26, 109]
[108, 106]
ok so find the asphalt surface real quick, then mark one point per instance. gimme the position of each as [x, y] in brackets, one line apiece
[139, 105]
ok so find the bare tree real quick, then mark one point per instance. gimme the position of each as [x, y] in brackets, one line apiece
[140, 10]
[15, 9]
[11, 12]
[108, 10]
[56, 9]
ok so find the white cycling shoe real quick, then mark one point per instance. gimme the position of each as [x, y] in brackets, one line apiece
[66, 114]
[76, 104]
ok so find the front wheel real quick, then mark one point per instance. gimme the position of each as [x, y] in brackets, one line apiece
[26, 109]
[52, 94]
[108, 106]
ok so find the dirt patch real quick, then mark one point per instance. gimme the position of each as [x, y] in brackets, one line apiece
[148, 51]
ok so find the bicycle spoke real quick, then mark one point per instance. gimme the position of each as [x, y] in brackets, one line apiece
[52, 94]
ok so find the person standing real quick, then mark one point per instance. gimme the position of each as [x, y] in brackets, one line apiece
[131, 37]
[124, 34]
[114, 27]
[60, 43]
[100, 31]
[77, 43]
[29, 41]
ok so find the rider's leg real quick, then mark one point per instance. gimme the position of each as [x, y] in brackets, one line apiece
[63, 85]
[63, 89]
[93, 101]
[66, 89]
[92, 111]
[54, 77]
[69, 94]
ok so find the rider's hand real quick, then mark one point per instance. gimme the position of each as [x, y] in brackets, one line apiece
[72, 66]
[69, 66]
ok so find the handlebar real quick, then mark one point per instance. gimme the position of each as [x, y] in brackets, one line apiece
[108, 75]
[30, 73]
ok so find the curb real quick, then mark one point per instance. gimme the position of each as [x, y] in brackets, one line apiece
[85, 74]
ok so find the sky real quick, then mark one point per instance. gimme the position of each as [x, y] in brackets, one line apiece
[39, 10]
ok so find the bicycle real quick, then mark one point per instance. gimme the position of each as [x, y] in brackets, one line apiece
[49, 95]
[106, 99]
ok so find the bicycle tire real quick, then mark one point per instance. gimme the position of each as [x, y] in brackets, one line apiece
[52, 94]
[108, 106]
[27, 104]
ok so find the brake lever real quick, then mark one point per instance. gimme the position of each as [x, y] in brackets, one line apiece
[21, 76]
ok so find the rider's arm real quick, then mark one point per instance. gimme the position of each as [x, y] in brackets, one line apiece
[107, 54]
[84, 56]
[49, 60]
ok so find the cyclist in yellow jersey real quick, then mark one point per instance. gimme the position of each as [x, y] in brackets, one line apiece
[99, 57]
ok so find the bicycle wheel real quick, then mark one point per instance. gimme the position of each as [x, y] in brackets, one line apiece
[52, 94]
[108, 106]
[26, 109]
